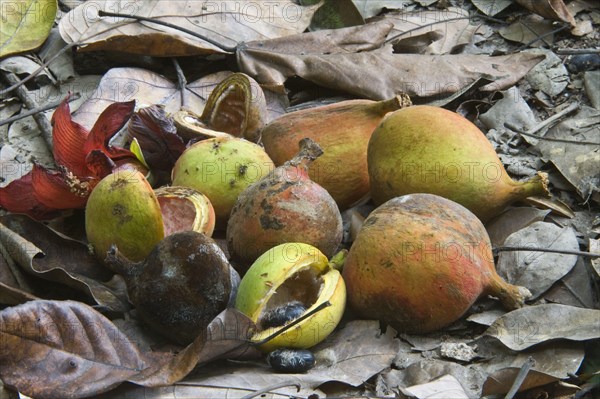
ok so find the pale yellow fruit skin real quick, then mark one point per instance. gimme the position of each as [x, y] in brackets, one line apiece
[123, 210]
[221, 168]
[274, 267]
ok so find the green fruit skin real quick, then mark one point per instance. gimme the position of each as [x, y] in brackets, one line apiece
[426, 149]
[123, 210]
[221, 168]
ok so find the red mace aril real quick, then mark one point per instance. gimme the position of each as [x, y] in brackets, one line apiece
[285, 206]
[342, 130]
[184, 209]
[425, 149]
[420, 261]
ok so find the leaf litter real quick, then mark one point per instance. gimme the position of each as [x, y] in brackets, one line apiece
[405, 49]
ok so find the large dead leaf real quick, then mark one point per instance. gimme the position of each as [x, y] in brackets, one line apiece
[45, 254]
[538, 270]
[511, 221]
[380, 74]
[553, 9]
[53, 349]
[432, 32]
[578, 163]
[532, 325]
[226, 22]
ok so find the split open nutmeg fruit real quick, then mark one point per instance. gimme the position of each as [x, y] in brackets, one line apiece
[293, 278]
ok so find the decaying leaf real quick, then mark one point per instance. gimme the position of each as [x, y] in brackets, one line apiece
[511, 221]
[380, 74]
[45, 254]
[538, 270]
[491, 7]
[54, 349]
[25, 24]
[225, 22]
[444, 387]
[553, 9]
[578, 163]
[532, 325]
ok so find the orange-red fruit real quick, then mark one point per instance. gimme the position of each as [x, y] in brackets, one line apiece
[285, 206]
[425, 149]
[420, 261]
[343, 130]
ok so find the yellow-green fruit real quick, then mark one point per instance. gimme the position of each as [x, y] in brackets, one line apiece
[293, 272]
[425, 149]
[221, 168]
[123, 210]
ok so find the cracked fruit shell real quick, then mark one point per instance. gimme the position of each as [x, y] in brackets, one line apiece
[293, 272]
[184, 208]
[123, 210]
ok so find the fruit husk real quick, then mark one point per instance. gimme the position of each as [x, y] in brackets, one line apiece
[191, 127]
[420, 261]
[221, 168]
[123, 210]
[184, 208]
[293, 271]
[426, 149]
[181, 286]
[284, 206]
[343, 130]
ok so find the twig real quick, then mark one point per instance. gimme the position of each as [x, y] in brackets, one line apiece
[540, 37]
[551, 250]
[169, 25]
[271, 388]
[576, 51]
[531, 132]
[41, 108]
[181, 80]
[41, 120]
[529, 363]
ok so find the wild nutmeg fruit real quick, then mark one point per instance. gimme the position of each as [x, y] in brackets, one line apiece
[123, 210]
[425, 149]
[285, 283]
[184, 208]
[343, 130]
[284, 206]
[420, 261]
[181, 286]
[221, 168]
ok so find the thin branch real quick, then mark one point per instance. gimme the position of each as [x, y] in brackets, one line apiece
[41, 120]
[271, 388]
[41, 108]
[529, 363]
[540, 37]
[181, 81]
[169, 25]
[551, 250]
[576, 51]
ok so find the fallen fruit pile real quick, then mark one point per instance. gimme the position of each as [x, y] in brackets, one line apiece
[420, 260]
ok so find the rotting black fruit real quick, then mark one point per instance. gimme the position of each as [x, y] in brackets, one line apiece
[282, 315]
[183, 284]
[291, 360]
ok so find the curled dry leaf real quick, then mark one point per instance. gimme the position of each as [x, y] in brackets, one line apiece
[532, 325]
[553, 9]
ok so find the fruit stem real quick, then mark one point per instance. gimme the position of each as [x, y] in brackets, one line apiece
[399, 101]
[338, 260]
[511, 296]
[300, 319]
[537, 185]
[309, 151]
[118, 263]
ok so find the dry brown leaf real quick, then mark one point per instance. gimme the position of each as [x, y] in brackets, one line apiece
[45, 254]
[431, 32]
[553, 9]
[226, 22]
[380, 74]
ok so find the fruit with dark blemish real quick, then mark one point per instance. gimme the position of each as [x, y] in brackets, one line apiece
[123, 210]
[213, 167]
[181, 286]
[285, 206]
[420, 261]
